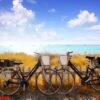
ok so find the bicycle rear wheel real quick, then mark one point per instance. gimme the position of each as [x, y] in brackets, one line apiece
[95, 82]
[68, 82]
[9, 82]
[49, 82]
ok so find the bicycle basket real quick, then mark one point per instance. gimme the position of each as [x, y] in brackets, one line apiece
[63, 60]
[45, 60]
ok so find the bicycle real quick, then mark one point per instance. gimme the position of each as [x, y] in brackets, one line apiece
[95, 82]
[12, 80]
[50, 74]
[67, 77]
[92, 76]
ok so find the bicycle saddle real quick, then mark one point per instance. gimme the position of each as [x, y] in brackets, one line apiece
[17, 63]
[90, 57]
[98, 60]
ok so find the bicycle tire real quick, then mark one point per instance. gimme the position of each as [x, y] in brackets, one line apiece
[68, 82]
[95, 81]
[49, 84]
[10, 85]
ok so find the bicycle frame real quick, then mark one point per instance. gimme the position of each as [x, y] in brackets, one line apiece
[29, 75]
[87, 75]
[75, 69]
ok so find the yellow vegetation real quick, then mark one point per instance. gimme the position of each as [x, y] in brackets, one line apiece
[29, 61]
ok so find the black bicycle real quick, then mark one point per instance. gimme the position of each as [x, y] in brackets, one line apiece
[11, 80]
[92, 75]
[67, 77]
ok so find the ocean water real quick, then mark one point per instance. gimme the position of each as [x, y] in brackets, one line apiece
[74, 48]
[56, 48]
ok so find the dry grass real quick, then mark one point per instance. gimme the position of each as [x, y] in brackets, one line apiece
[29, 61]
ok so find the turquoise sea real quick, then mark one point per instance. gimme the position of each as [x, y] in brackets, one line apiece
[62, 48]
[74, 48]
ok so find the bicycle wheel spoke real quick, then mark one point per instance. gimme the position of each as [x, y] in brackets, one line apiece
[95, 82]
[9, 85]
[48, 87]
[13, 82]
[68, 82]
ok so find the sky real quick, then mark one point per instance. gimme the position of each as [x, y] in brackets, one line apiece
[27, 25]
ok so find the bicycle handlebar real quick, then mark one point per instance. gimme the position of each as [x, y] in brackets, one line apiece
[37, 53]
[68, 53]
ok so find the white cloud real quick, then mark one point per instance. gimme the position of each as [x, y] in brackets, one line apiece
[94, 27]
[87, 39]
[18, 18]
[49, 34]
[19, 30]
[39, 26]
[15, 25]
[82, 39]
[52, 10]
[82, 18]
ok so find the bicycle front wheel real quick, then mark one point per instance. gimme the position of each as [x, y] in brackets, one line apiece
[95, 82]
[49, 82]
[68, 82]
[9, 82]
